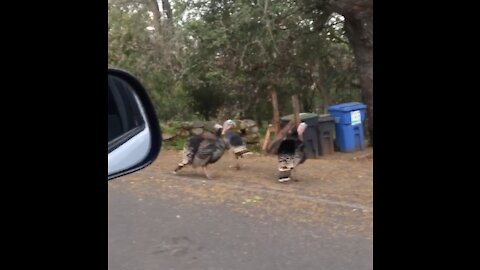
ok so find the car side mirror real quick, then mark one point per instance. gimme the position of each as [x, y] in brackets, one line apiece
[134, 135]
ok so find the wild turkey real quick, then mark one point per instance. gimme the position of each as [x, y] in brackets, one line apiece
[291, 153]
[202, 150]
[235, 142]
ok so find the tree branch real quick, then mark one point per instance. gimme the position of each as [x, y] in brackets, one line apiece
[267, 24]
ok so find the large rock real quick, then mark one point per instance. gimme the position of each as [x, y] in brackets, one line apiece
[252, 130]
[252, 138]
[183, 133]
[168, 136]
[186, 125]
[197, 131]
[247, 123]
[198, 124]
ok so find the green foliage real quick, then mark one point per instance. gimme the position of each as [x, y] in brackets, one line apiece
[176, 144]
[223, 57]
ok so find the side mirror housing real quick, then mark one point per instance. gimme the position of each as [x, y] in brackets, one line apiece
[134, 135]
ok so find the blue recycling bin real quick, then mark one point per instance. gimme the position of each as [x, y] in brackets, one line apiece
[348, 125]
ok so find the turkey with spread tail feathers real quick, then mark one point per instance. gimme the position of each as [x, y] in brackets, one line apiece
[291, 153]
[202, 150]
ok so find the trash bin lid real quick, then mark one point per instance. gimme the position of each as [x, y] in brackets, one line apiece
[303, 116]
[347, 107]
[325, 118]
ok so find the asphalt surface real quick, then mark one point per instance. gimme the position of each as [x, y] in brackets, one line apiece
[163, 230]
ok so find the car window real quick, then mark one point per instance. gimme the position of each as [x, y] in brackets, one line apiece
[124, 117]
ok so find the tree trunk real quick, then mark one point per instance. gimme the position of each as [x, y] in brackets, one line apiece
[358, 16]
[359, 32]
[157, 18]
[168, 10]
[319, 79]
[276, 113]
[296, 110]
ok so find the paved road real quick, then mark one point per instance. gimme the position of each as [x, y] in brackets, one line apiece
[164, 232]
